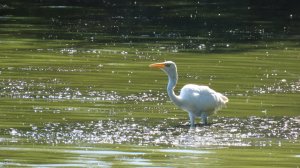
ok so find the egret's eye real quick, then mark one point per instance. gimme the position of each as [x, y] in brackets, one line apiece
[167, 65]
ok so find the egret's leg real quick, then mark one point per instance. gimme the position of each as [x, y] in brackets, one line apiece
[204, 118]
[192, 119]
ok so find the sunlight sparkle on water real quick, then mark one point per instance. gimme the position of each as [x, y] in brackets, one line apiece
[224, 132]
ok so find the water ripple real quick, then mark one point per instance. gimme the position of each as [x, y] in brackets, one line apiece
[281, 86]
[252, 131]
[44, 90]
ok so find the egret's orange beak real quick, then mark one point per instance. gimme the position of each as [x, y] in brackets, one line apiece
[157, 65]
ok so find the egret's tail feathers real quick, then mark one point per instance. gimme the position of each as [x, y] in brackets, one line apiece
[224, 99]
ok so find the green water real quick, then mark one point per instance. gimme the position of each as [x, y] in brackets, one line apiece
[76, 89]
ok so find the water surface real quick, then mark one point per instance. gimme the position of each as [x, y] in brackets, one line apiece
[76, 90]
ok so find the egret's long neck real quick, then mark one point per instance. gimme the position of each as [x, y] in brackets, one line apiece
[170, 88]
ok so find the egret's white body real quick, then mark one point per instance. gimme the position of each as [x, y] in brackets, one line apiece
[198, 101]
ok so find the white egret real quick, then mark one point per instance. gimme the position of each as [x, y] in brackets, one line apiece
[198, 101]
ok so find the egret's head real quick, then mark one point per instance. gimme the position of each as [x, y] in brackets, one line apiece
[168, 67]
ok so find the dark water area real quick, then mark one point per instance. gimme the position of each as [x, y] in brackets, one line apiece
[213, 24]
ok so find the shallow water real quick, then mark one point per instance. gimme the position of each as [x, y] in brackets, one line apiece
[76, 90]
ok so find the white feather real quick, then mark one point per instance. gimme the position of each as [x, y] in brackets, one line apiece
[198, 101]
